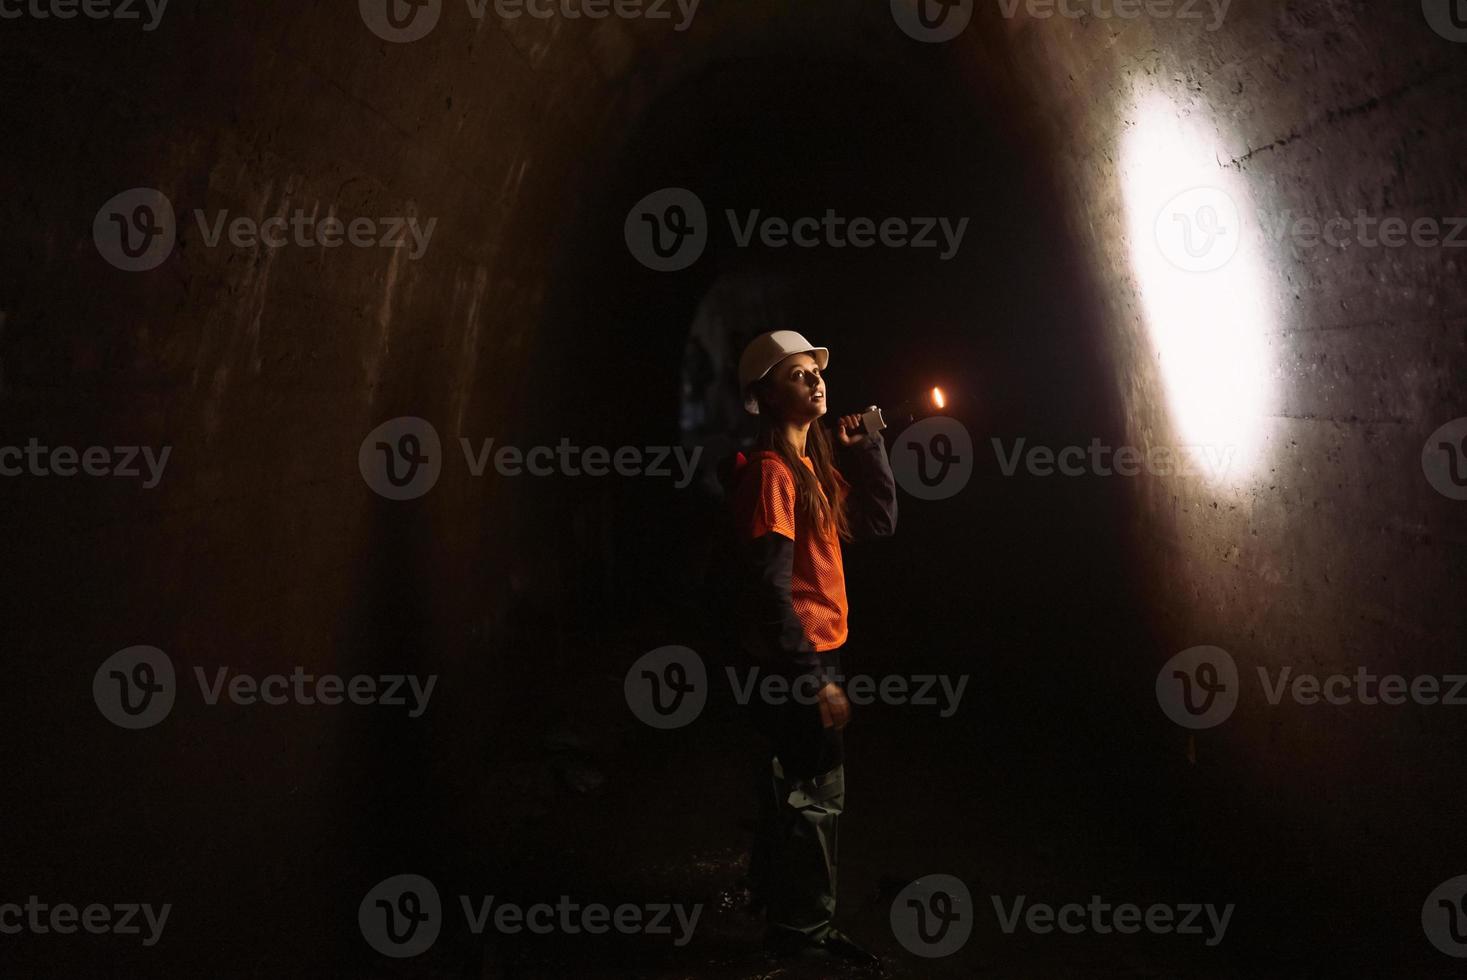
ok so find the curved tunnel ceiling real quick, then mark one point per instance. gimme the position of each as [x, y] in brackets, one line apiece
[1100, 160]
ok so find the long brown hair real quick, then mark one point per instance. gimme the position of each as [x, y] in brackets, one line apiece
[817, 495]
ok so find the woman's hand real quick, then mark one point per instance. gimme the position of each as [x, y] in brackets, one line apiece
[835, 710]
[844, 431]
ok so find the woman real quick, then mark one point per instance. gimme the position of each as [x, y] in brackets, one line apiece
[793, 509]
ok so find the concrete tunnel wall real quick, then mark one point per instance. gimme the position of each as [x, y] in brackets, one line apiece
[1336, 554]
[265, 369]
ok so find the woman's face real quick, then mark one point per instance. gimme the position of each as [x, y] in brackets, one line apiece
[795, 389]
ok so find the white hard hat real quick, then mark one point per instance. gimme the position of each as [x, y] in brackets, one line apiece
[767, 350]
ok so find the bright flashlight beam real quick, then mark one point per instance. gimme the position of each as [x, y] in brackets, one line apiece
[1204, 286]
[938, 399]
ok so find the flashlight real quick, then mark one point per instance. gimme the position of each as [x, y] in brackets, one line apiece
[930, 402]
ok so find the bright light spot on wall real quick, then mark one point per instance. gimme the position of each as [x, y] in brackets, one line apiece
[1204, 287]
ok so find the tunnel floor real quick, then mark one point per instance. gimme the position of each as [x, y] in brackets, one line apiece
[629, 817]
[698, 856]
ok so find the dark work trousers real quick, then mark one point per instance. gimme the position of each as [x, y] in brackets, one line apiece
[800, 786]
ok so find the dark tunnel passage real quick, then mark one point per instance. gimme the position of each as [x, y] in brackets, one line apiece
[1150, 233]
